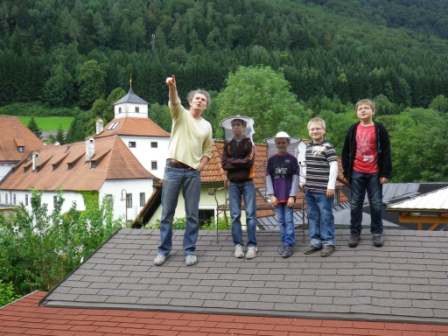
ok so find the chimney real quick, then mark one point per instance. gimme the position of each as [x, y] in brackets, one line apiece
[99, 125]
[35, 160]
[90, 148]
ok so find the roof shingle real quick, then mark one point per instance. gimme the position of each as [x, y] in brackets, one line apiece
[133, 127]
[14, 134]
[27, 317]
[131, 98]
[403, 281]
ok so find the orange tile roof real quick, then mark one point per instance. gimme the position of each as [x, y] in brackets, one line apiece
[65, 167]
[133, 126]
[26, 317]
[213, 171]
[14, 134]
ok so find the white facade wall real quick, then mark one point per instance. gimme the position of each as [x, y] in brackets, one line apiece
[5, 168]
[116, 188]
[17, 197]
[110, 187]
[146, 154]
[129, 110]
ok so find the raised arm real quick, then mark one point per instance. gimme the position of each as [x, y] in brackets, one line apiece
[174, 100]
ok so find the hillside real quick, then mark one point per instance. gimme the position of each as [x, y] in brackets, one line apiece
[67, 53]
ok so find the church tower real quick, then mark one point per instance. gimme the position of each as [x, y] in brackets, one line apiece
[131, 105]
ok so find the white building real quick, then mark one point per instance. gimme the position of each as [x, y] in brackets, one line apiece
[102, 165]
[146, 140]
[16, 143]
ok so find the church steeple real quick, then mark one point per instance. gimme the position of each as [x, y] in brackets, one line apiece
[131, 105]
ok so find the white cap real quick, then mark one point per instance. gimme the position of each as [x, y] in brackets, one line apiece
[282, 135]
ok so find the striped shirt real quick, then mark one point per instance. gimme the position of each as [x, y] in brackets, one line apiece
[317, 161]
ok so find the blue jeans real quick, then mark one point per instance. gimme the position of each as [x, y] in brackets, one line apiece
[285, 218]
[321, 229]
[190, 182]
[245, 190]
[361, 183]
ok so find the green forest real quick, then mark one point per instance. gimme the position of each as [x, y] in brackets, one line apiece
[320, 55]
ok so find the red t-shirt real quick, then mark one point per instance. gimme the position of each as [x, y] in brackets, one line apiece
[366, 159]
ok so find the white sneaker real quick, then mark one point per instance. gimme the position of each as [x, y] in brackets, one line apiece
[239, 252]
[191, 259]
[251, 252]
[160, 259]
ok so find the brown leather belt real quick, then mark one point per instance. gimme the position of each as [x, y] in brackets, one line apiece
[177, 164]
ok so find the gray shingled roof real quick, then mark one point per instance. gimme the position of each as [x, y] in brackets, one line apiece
[131, 98]
[406, 280]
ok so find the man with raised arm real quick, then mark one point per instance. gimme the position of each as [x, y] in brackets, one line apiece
[189, 151]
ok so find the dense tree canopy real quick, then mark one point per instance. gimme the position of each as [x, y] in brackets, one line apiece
[346, 49]
[263, 94]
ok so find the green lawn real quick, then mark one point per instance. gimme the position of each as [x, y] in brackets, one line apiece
[47, 124]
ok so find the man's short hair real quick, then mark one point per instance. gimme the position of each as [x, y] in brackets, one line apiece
[369, 102]
[317, 120]
[202, 92]
[237, 120]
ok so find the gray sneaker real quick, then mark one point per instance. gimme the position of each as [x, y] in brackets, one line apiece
[327, 251]
[377, 240]
[191, 260]
[354, 240]
[239, 251]
[160, 259]
[311, 250]
[251, 252]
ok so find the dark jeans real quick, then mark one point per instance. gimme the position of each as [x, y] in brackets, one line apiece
[359, 185]
[321, 229]
[245, 190]
[190, 182]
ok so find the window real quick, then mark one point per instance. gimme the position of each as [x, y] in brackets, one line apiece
[21, 149]
[137, 109]
[14, 199]
[6, 198]
[132, 144]
[206, 216]
[154, 144]
[27, 200]
[119, 110]
[142, 199]
[109, 200]
[154, 165]
[129, 201]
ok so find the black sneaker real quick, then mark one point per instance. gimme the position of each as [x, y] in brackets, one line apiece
[327, 251]
[312, 250]
[354, 240]
[288, 252]
[377, 240]
[281, 250]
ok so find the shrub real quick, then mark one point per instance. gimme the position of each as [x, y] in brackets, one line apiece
[39, 249]
[7, 293]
